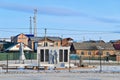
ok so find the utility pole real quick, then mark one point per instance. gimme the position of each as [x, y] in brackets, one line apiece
[45, 37]
[35, 23]
[30, 25]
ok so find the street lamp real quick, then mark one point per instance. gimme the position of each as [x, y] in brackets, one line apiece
[7, 63]
[69, 62]
[100, 53]
[107, 57]
[89, 53]
[38, 61]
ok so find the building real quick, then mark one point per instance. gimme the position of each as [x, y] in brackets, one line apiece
[21, 38]
[92, 49]
[35, 42]
[67, 41]
[16, 47]
[54, 56]
[49, 41]
[4, 45]
[116, 45]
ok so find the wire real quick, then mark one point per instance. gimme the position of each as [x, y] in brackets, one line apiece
[75, 32]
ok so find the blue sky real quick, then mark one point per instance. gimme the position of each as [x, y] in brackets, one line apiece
[78, 19]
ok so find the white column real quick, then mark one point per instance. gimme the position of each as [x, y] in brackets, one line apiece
[44, 55]
[63, 55]
[68, 55]
[58, 55]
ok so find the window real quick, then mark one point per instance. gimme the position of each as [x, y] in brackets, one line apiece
[89, 53]
[65, 55]
[61, 55]
[45, 44]
[82, 53]
[46, 55]
[107, 53]
[56, 43]
[42, 55]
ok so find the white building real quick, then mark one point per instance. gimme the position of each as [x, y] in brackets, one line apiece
[53, 55]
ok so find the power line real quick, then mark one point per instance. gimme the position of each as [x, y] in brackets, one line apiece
[62, 31]
[55, 29]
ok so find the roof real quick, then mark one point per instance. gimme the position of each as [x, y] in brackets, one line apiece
[36, 39]
[93, 46]
[16, 48]
[116, 46]
[84, 46]
[28, 35]
[114, 41]
[94, 41]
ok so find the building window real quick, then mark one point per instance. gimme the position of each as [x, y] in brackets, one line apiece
[89, 53]
[82, 53]
[107, 53]
[61, 55]
[42, 55]
[56, 43]
[46, 55]
[65, 55]
[45, 44]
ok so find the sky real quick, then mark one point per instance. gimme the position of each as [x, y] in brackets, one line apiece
[78, 19]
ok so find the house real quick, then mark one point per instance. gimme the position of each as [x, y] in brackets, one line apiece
[67, 41]
[4, 45]
[35, 42]
[49, 41]
[92, 49]
[21, 38]
[116, 45]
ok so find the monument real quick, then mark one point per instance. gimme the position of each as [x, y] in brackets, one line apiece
[22, 56]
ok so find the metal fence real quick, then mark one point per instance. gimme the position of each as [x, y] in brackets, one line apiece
[15, 56]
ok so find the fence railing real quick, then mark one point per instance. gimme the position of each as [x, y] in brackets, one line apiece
[15, 56]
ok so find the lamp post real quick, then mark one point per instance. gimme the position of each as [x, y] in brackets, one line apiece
[7, 63]
[69, 62]
[100, 62]
[107, 57]
[38, 61]
[100, 53]
[89, 53]
[80, 60]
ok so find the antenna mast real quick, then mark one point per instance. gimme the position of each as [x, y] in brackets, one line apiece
[35, 26]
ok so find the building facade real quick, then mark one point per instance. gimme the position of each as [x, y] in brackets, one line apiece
[21, 38]
[53, 55]
[92, 49]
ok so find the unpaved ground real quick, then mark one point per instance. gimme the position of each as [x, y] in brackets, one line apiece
[60, 76]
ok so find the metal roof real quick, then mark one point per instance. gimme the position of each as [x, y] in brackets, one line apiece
[93, 46]
[36, 39]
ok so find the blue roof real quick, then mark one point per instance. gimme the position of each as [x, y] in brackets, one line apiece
[29, 35]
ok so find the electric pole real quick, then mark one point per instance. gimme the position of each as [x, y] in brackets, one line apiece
[30, 25]
[35, 23]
